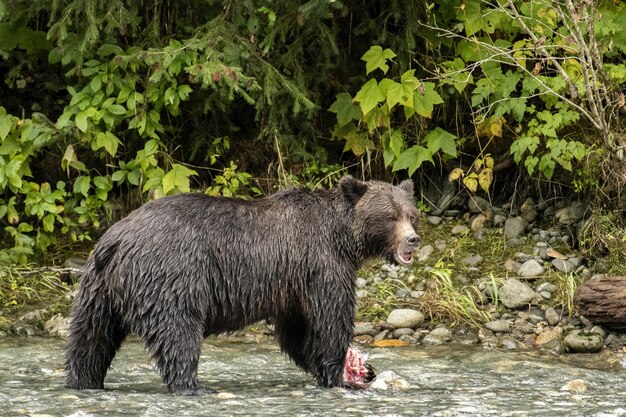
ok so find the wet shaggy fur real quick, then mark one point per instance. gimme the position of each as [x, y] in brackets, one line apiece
[183, 267]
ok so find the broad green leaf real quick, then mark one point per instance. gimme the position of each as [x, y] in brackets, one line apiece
[108, 141]
[48, 223]
[397, 93]
[439, 139]
[10, 146]
[118, 176]
[412, 158]
[376, 57]
[6, 123]
[471, 14]
[81, 185]
[177, 179]
[424, 100]
[369, 96]
[81, 121]
[396, 141]
[345, 109]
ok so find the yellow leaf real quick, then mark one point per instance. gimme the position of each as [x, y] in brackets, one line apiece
[485, 178]
[455, 174]
[488, 162]
[471, 182]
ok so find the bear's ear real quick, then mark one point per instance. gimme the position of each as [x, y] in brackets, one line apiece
[352, 188]
[407, 185]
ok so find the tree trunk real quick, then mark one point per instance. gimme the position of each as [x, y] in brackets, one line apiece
[603, 301]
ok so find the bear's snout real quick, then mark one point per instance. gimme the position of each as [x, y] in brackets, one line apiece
[413, 240]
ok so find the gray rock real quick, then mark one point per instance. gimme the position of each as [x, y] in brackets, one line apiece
[472, 260]
[430, 339]
[530, 268]
[424, 253]
[479, 223]
[402, 332]
[33, 317]
[562, 265]
[512, 266]
[599, 330]
[381, 336]
[583, 342]
[514, 227]
[514, 243]
[417, 294]
[360, 282]
[530, 215]
[405, 318]
[546, 286]
[440, 245]
[515, 294]
[361, 328]
[552, 317]
[477, 204]
[498, 326]
[509, 343]
[361, 294]
[441, 332]
[545, 295]
[573, 213]
[402, 292]
[498, 220]
[409, 339]
[434, 220]
[58, 326]
[459, 229]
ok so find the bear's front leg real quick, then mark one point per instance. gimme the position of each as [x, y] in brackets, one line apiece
[331, 327]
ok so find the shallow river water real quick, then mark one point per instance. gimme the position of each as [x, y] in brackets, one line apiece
[255, 379]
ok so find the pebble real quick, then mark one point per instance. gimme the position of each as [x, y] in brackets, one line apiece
[514, 227]
[472, 260]
[360, 282]
[498, 326]
[424, 253]
[583, 342]
[362, 328]
[552, 317]
[562, 265]
[405, 318]
[459, 230]
[509, 343]
[515, 294]
[434, 220]
[530, 268]
[477, 204]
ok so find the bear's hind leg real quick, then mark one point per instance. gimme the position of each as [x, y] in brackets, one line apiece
[175, 348]
[96, 333]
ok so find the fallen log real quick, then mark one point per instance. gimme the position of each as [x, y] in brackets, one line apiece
[603, 301]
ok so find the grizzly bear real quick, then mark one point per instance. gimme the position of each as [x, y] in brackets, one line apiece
[187, 266]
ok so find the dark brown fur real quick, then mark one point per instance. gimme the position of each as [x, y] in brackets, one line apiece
[183, 267]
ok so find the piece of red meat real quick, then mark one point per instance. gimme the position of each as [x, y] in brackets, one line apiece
[357, 373]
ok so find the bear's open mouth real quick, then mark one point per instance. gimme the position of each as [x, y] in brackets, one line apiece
[405, 258]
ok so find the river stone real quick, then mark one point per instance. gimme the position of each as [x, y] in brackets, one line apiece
[33, 317]
[530, 268]
[548, 336]
[515, 294]
[512, 266]
[424, 252]
[514, 227]
[378, 384]
[552, 317]
[360, 282]
[575, 385]
[498, 220]
[382, 335]
[583, 342]
[498, 326]
[361, 328]
[459, 229]
[361, 293]
[530, 215]
[404, 331]
[546, 286]
[480, 222]
[573, 213]
[472, 260]
[58, 326]
[405, 317]
[562, 265]
[509, 343]
[434, 220]
[477, 204]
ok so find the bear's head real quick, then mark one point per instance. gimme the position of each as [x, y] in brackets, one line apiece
[385, 219]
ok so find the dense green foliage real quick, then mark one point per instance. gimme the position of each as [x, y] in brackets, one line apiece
[106, 104]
